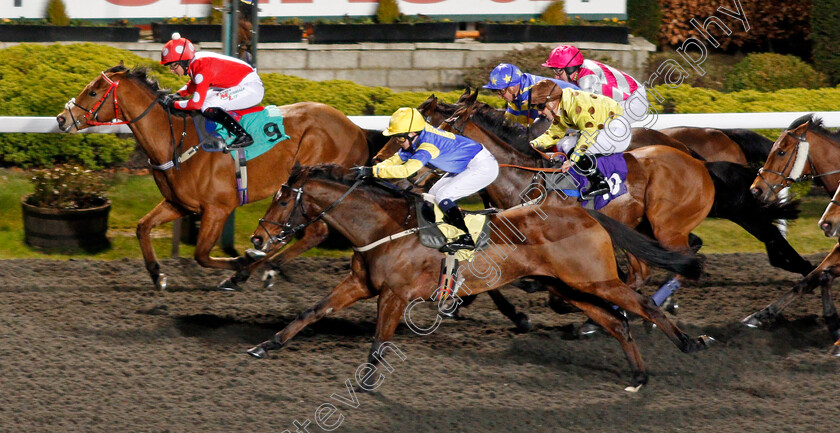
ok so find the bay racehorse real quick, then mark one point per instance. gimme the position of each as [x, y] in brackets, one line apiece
[403, 273]
[805, 150]
[205, 183]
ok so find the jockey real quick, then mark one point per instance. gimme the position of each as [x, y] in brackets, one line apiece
[514, 87]
[217, 84]
[469, 166]
[598, 120]
[568, 64]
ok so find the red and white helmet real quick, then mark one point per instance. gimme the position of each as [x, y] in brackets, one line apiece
[177, 49]
[564, 56]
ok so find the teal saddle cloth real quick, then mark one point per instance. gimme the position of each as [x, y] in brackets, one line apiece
[265, 124]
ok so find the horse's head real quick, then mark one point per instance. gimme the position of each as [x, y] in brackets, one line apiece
[787, 163]
[94, 105]
[830, 221]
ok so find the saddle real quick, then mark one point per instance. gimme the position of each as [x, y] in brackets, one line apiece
[265, 124]
[434, 233]
[614, 169]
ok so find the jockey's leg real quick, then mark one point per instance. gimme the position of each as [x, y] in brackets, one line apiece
[224, 118]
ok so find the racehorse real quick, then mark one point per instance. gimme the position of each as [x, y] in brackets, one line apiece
[805, 150]
[403, 272]
[206, 184]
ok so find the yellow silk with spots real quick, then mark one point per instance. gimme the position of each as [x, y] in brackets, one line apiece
[586, 112]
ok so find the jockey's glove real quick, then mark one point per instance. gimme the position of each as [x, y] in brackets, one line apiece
[576, 155]
[169, 100]
[363, 172]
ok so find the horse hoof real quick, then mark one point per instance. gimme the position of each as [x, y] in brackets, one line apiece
[706, 340]
[269, 278]
[257, 352]
[634, 389]
[228, 286]
[161, 282]
[523, 323]
[671, 306]
[588, 328]
[753, 321]
[254, 254]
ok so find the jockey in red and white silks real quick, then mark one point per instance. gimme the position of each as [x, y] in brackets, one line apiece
[568, 64]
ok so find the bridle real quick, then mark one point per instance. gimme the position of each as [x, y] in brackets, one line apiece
[288, 230]
[795, 165]
[90, 114]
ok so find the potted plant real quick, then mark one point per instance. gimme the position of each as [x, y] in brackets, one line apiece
[68, 210]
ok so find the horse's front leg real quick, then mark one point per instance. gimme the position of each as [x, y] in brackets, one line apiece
[770, 313]
[353, 288]
[312, 236]
[212, 221]
[829, 310]
[391, 308]
[163, 213]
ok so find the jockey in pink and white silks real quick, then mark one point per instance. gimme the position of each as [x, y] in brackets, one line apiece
[217, 85]
[568, 64]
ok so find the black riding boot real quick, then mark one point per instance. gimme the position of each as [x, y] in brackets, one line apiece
[597, 185]
[455, 217]
[224, 118]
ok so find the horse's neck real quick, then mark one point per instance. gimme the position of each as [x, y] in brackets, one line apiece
[157, 132]
[826, 159]
[359, 218]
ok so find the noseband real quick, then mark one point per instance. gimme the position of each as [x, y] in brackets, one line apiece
[795, 165]
[90, 114]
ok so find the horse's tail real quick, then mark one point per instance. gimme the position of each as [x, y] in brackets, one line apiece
[734, 202]
[376, 141]
[755, 146]
[649, 250]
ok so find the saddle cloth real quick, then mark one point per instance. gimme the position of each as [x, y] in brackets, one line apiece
[265, 124]
[436, 236]
[614, 169]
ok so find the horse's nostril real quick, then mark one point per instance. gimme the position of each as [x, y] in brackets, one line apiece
[755, 192]
[60, 120]
[257, 241]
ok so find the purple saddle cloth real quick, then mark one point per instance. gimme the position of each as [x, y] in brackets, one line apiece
[614, 169]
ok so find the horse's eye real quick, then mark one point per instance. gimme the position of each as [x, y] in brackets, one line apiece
[283, 203]
[781, 153]
[92, 93]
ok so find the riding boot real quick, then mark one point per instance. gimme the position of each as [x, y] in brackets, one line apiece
[224, 118]
[455, 217]
[597, 185]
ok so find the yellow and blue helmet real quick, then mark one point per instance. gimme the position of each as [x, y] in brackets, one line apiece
[503, 76]
[405, 120]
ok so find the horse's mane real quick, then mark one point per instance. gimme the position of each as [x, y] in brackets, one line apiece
[140, 74]
[816, 125]
[495, 122]
[337, 173]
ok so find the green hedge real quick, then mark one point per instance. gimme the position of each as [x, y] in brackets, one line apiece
[768, 72]
[36, 80]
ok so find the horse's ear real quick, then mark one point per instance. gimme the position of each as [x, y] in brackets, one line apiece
[466, 92]
[121, 63]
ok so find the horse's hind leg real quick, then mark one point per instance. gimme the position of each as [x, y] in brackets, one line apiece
[829, 310]
[162, 213]
[614, 323]
[353, 288]
[628, 299]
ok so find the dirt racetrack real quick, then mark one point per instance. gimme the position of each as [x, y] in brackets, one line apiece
[87, 346]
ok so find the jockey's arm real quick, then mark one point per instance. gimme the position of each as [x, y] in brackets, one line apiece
[396, 168]
[549, 138]
[590, 83]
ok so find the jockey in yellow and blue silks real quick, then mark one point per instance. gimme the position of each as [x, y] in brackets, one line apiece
[514, 86]
[468, 165]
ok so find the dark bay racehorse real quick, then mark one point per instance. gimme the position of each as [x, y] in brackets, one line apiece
[206, 184]
[575, 247]
[805, 150]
